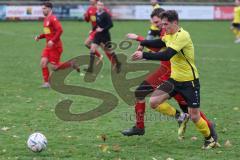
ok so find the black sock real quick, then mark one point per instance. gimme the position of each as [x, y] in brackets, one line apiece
[92, 58]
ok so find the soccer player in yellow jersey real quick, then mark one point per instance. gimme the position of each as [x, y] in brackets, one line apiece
[154, 30]
[184, 78]
[236, 21]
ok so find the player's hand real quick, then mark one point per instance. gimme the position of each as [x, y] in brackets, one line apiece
[36, 38]
[137, 55]
[99, 29]
[50, 44]
[132, 36]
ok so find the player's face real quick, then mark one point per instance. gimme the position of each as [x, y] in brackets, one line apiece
[46, 10]
[157, 21]
[170, 27]
[92, 2]
[100, 6]
[153, 2]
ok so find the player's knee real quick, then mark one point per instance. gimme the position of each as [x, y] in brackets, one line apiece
[154, 102]
[194, 115]
[87, 44]
[43, 63]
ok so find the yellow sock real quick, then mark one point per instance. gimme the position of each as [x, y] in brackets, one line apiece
[166, 109]
[235, 31]
[202, 127]
[238, 34]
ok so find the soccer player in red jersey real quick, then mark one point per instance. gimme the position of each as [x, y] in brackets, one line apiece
[150, 84]
[90, 16]
[53, 50]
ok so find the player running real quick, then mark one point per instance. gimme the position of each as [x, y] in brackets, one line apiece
[153, 80]
[90, 16]
[184, 78]
[52, 52]
[102, 38]
[236, 21]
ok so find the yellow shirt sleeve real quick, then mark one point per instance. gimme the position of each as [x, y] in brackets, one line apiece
[179, 42]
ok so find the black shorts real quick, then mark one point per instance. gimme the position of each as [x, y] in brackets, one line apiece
[154, 33]
[236, 25]
[190, 90]
[102, 37]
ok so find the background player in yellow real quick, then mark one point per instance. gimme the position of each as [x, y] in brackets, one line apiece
[236, 21]
[154, 30]
[184, 77]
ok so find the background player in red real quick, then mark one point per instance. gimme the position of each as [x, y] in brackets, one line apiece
[90, 16]
[52, 52]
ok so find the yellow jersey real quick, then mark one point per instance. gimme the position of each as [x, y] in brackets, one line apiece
[236, 16]
[182, 64]
[153, 27]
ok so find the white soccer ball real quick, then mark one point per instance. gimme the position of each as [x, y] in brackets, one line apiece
[37, 142]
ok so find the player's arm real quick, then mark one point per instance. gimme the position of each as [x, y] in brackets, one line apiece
[58, 28]
[41, 36]
[86, 16]
[156, 43]
[162, 56]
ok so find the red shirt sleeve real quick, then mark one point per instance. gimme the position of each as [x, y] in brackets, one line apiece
[41, 36]
[58, 29]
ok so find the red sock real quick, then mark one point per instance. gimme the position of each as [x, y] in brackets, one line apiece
[205, 118]
[97, 53]
[63, 65]
[109, 55]
[45, 74]
[140, 110]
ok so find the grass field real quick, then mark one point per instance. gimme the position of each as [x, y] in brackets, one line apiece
[24, 108]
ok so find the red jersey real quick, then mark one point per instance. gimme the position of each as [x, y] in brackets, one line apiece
[52, 30]
[90, 15]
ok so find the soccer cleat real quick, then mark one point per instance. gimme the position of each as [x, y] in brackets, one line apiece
[75, 66]
[214, 134]
[134, 131]
[182, 122]
[237, 40]
[209, 143]
[45, 85]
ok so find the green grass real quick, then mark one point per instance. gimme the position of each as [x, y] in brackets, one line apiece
[24, 108]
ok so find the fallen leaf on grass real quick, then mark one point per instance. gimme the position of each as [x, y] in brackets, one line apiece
[218, 152]
[169, 158]
[235, 108]
[29, 100]
[116, 148]
[104, 137]
[194, 138]
[5, 128]
[228, 144]
[103, 147]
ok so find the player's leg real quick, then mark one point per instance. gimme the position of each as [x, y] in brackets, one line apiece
[44, 66]
[141, 92]
[88, 42]
[93, 49]
[107, 47]
[54, 60]
[191, 93]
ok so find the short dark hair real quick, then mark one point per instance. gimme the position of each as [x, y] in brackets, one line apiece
[157, 12]
[48, 4]
[171, 15]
